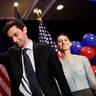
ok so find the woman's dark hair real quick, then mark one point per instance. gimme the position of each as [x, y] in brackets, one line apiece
[18, 23]
[64, 34]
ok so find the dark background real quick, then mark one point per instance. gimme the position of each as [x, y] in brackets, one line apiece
[75, 29]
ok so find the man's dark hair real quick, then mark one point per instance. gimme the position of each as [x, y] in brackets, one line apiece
[18, 23]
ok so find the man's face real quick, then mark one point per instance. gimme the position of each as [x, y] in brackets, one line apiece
[17, 36]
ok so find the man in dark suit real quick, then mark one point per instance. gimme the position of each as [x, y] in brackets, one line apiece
[45, 62]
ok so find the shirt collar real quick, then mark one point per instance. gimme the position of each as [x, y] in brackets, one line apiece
[30, 45]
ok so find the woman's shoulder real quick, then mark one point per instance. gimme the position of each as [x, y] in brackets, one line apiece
[80, 56]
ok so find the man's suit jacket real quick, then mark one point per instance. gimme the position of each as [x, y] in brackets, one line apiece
[47, 66]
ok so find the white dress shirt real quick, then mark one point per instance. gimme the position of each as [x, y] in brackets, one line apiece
[24, 84]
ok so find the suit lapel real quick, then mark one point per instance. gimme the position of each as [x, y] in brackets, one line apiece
[19, 55]
[36, 54]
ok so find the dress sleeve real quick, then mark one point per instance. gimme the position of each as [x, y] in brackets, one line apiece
[89, 72]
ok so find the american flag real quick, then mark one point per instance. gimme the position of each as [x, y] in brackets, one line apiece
[5, 85]
[45, 37]
[17, 13]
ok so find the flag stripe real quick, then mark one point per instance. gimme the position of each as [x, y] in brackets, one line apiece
[3, 76]
[5, 85]
[3, 92]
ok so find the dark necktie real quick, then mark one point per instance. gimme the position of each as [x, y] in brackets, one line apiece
[34, 85]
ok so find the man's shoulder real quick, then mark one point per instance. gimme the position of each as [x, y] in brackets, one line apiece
[41, 44]
[14, 48]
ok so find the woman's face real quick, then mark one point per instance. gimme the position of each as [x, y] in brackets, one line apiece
[63, 43]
